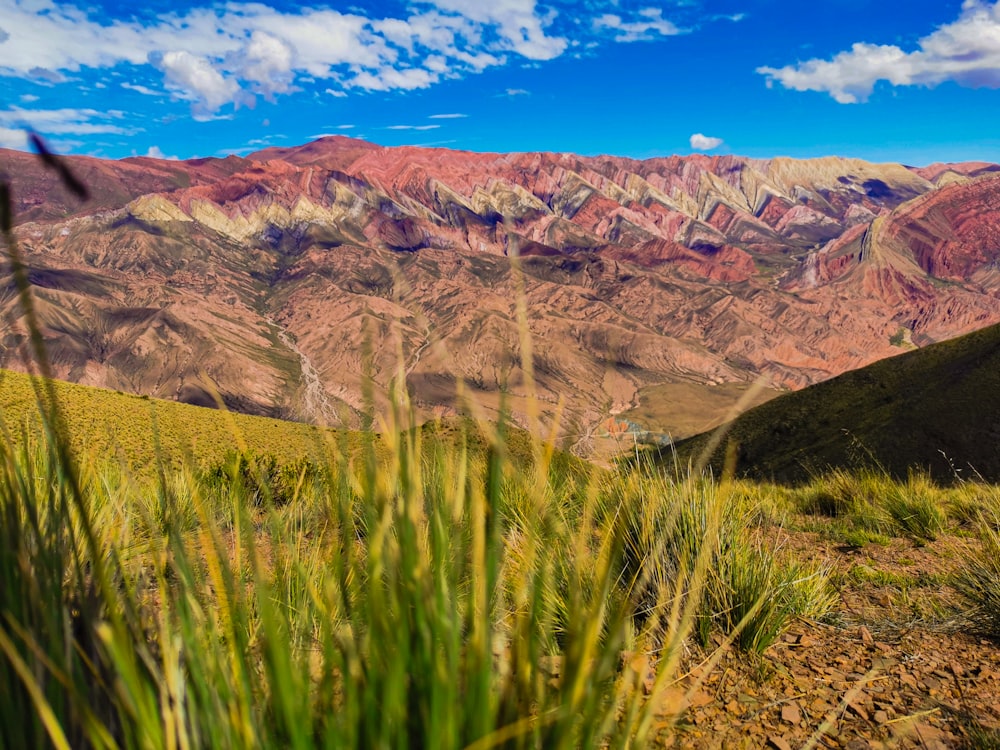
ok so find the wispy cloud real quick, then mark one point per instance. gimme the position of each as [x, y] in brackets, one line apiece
[453, 116]
[516, 92]
[412, 127]
[646, 24]
[317, 136]
[65, 121]
[146, 91]
[432, 144]
[966, 51]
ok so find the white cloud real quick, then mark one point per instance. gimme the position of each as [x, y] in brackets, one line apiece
[449, 116]
[222, 54]
[648, 23]
[518, 24]
[194, 78]
[155, 152]
[267, 64]
[389, 79]
[29, 98]
[145, 90]
[63, 121]
[412, 127]
[517, 92]
[966, 51]
[702, 142]
[13, 138]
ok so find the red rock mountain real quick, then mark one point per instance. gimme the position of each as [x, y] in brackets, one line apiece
[284, 280]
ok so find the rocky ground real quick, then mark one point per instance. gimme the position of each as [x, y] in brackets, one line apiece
[895, 665]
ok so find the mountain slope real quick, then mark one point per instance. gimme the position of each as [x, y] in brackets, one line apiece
[138, 432]
[289, 280]
[937, 409]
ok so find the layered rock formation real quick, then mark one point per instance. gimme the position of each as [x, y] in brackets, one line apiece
[284, 282]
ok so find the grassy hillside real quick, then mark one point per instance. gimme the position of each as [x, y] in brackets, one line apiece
[936, 408]
[140, 433]
[136, 430]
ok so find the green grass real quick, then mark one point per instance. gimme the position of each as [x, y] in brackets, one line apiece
[142, 433]
[872, 506]
[194, 578]
[978, 580]
[928, 410]
[432, 592]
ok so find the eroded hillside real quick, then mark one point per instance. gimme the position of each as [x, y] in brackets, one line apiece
[283, 281]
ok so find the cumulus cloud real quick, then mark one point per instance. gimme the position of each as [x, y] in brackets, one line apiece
[155, 152]
[224, 54]
[966, 51]
[267, 64]
[13, 138]
[196, 79]
[702, 142]
[221, 54]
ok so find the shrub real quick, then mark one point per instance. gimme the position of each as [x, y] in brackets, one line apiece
[260, 478]
[978, 579]
[916, 508]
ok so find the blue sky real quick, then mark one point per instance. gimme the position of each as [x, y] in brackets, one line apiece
[915, 82]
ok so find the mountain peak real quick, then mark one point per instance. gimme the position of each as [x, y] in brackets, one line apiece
[330, 152]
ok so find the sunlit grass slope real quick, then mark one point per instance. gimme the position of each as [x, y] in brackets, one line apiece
[934, 409]
[141, 433]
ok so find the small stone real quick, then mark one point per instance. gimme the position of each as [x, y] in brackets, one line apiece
[881, 717]
[701, 698]
[858, 709]
[866, 636]
[930, 737]
[790, 713]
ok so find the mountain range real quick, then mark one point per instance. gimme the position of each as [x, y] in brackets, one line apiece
[299, 282]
